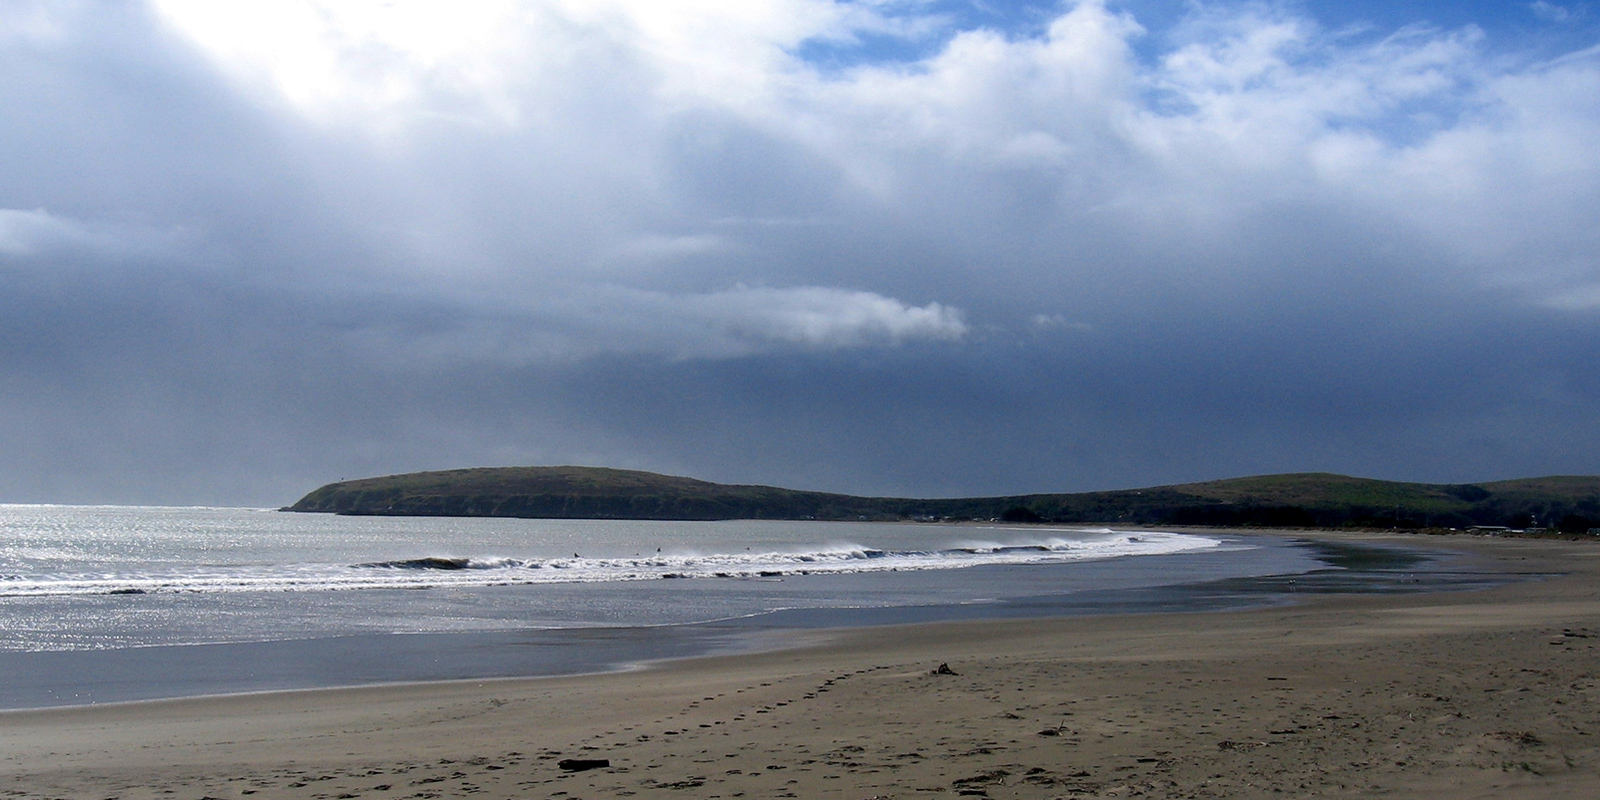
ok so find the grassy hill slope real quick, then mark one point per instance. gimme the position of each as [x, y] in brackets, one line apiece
[1295, 500]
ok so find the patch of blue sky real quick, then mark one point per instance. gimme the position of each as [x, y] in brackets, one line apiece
[1531, 30]
[1511, 35]
[1519, 33]
[1414, 122]
[919, 29]
[1511, 15]
[1527, 30]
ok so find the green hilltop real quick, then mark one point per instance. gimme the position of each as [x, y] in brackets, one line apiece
[1570, 503]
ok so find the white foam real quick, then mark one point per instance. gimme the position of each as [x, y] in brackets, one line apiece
[458, 571]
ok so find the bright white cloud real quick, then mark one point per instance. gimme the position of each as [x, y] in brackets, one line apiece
[362, 60]
[823, 317]
[1254, 106]
[501, 61]
[587, 117]
[731, 323]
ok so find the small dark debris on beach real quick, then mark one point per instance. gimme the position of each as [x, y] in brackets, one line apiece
[1524, 738]
[1232, 745]
[581, 764]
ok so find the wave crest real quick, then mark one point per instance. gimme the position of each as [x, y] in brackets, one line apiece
[449, 570]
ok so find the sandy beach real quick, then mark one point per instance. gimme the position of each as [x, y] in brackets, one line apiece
[1489, 693]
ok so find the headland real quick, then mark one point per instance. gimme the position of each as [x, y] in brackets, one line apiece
[1569, 503]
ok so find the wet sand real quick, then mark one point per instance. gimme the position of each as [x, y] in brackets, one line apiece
[1491, 693]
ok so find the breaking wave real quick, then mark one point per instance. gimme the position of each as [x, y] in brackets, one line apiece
[435, 571]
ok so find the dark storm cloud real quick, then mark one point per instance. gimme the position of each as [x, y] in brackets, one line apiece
[245, 251]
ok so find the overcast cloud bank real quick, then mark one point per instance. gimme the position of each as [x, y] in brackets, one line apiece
[871, 247]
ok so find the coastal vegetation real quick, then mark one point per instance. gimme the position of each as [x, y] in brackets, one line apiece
[1569, 504]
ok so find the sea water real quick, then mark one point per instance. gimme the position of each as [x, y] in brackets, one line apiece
[94, 577]
[104, 603]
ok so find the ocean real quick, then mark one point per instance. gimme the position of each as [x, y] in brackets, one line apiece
[116, 603]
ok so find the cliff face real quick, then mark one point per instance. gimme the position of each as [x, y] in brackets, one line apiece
[1296, 500]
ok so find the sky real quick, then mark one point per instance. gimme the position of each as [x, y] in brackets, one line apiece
[881, 247]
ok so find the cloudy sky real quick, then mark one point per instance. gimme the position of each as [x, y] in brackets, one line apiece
[910, 247]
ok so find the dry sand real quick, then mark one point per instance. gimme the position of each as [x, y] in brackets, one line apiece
[1490, 693]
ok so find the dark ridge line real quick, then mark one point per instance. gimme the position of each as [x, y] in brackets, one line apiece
[1565, 504]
